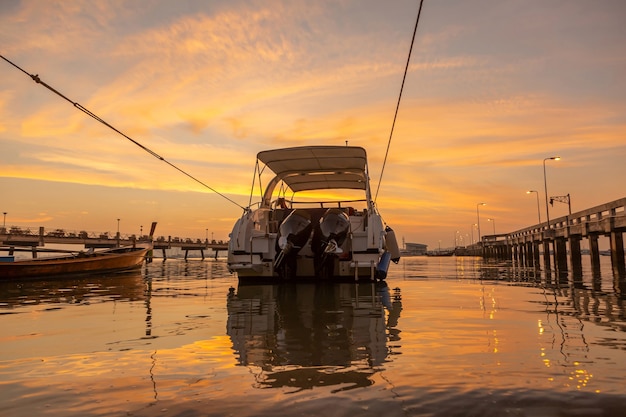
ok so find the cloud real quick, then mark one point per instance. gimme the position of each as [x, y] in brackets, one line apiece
[209, 84]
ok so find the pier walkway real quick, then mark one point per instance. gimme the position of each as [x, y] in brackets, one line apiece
[561, 239]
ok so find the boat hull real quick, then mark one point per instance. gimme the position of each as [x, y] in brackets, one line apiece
[107, 261]
[253, 249]
[347, 270]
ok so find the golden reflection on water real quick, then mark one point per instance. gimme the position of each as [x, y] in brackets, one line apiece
[443, 337]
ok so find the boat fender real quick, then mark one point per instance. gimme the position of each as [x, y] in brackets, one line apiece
[392, 244]
[383, 265]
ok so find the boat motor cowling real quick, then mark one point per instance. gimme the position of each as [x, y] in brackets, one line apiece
[333, 230]
[329, 235]
[293, 233]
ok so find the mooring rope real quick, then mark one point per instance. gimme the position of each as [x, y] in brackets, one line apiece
[395, 116]
[99, 119]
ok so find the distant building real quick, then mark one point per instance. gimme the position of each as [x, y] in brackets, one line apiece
[414, 249]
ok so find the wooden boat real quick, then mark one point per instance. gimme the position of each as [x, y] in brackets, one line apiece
[281, 238]
[116, 259]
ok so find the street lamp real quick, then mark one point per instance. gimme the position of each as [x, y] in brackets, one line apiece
[4, 221]
[478, 217]
[538, 212]
[494, 225]
[545, 184]
[118, 227]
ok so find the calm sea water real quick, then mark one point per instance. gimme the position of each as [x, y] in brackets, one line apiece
[443, 337]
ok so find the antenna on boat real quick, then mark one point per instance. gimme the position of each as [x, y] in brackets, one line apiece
[96, 117]
[395, 116]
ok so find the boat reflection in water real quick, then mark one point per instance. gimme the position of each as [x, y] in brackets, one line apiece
[103, 287]
[309, 335]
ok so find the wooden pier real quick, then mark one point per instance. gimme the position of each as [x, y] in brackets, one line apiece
[12, 241]
[561, 239]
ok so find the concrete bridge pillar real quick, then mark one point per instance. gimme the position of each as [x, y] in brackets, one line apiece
[536, 254]
[594, 252]
[617, 253]
[501, 252]
[560, 255]
[546, 254]
[506, 251]
[574, 248]
[530, 254]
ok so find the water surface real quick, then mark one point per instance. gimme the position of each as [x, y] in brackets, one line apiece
[442, 337]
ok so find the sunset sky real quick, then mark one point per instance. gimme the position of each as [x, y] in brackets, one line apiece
[493, 88]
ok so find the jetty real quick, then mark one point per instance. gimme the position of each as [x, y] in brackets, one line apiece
[559, 241]
[19, 239]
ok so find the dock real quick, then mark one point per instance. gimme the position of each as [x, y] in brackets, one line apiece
[23, 240]
[559, 242]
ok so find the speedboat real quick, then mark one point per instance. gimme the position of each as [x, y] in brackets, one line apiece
[332, 231]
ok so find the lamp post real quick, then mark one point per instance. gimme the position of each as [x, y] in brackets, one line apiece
[478, 218]
[545, 184]
[4, 220]
[538, 211]
[118, 233]
[494, 225]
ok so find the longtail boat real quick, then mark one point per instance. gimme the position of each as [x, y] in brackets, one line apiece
[115, 259]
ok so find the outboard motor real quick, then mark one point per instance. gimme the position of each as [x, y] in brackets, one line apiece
[328, 237]
[293, 233]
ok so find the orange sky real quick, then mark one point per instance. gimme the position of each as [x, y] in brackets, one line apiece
[494, 87]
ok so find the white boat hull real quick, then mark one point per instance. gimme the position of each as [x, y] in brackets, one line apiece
[252, 250]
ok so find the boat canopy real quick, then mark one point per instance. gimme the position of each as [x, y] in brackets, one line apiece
[317, 167]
